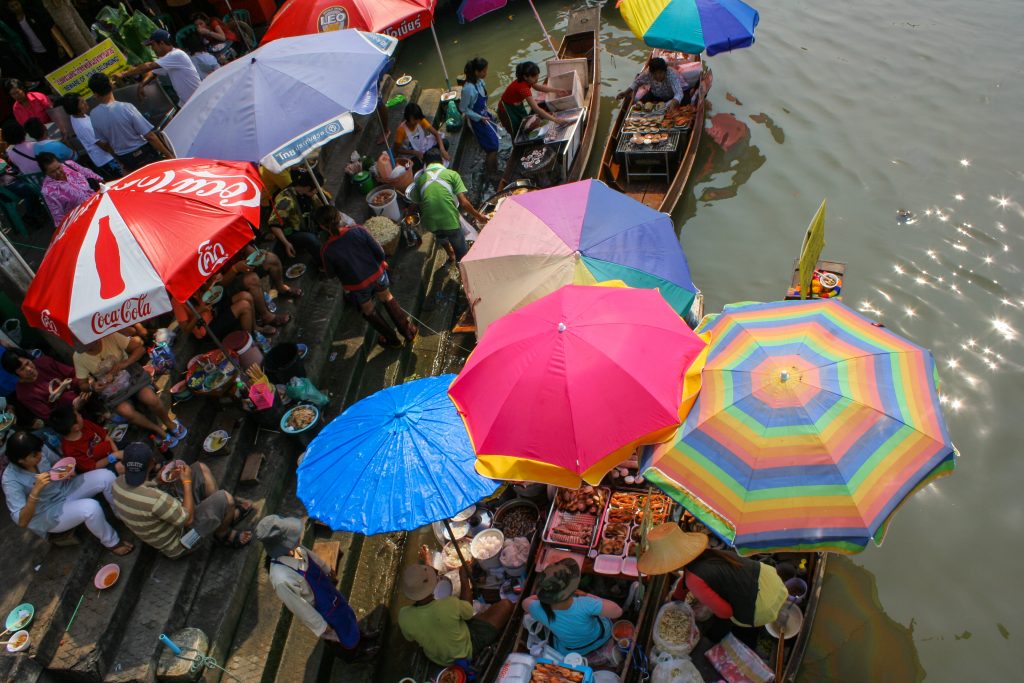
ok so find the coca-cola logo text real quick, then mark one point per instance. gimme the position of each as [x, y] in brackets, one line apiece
[46, 321]
[131, 311]
[211, 255]
[226, 190]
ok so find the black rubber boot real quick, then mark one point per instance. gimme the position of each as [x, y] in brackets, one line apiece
[401, 320]
[387, 337]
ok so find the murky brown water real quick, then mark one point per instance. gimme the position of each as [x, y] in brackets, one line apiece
[877, 107]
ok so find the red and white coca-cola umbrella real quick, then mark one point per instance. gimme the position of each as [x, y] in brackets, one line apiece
[157, 233]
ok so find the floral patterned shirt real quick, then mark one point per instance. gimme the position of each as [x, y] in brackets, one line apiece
[64, 195]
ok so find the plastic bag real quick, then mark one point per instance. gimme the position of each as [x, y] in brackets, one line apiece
[162, 358]
[671, 669]
[453, 122]
[683, 635]
[301, 389]
[738, 663]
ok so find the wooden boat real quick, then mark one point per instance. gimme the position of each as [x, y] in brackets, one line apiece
[581, 41]
[659, 193]
[635, 667]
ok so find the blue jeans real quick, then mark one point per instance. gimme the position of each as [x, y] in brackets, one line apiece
[111, 170]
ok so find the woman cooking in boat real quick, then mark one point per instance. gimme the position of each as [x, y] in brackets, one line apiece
[512, 109]
[578, 622]
[740, 592]
[663, 85]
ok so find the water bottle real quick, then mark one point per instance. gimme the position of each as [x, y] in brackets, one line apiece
[261, 341]
[271, 304]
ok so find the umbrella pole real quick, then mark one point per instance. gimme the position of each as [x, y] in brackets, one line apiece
[458, 550]
[543, 28]
[245, 40]
[241, 373]
[384, 132]
[437, 44]
[320, 190]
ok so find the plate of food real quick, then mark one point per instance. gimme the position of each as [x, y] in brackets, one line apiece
[20, 617]
[107, 576]
[169, 473]
[62, 469]
[6, 420]
[215, 380]
[216, 441]
[256, 258]
[295, 270]
[213, 295]
[57, 388]
[404, 80]
[448, 96]
[19, 641]
[300, 418]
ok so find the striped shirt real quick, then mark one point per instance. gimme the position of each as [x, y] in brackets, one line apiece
[157, 518]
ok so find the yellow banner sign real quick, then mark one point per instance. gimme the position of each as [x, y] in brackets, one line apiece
[74, 76]
[810, 252]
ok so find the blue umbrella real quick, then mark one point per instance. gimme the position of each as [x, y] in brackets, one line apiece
[394, 461]
[278, 103]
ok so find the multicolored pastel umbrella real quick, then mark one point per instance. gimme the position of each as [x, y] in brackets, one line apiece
[580, 233]
[812, 426]
[394, 461]
[566, 387]
[692, 26]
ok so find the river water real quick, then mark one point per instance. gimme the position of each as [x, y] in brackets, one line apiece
[878, 107]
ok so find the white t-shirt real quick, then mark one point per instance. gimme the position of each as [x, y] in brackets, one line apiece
[82, 125]
[178, 66]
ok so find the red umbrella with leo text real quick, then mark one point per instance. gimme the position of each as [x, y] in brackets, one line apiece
[157, 233]
[396, 18]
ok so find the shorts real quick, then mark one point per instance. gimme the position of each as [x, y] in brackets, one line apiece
[481, 634]
[224, 321]
[361, 296]
[210, 513]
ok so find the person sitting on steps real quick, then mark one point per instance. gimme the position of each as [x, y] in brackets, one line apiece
[357, 259]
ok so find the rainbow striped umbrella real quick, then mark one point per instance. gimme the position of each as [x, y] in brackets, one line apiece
[691, 25]
[812, 426]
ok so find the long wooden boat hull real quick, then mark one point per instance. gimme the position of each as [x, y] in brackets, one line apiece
[657, 194]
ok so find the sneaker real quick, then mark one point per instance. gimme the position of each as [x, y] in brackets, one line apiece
[303, 351]
[179, 430]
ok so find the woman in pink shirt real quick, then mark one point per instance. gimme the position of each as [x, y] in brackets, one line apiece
[27, 105]
[66, 185]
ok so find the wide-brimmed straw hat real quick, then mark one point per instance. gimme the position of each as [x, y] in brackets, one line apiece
[418, 581]
[669, 548]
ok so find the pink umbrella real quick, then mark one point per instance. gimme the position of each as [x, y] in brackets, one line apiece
[566, 387]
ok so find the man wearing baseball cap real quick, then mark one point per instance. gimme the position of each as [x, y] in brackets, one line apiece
[447, 629]
[307, 587]
[170, 62]
[160, 520]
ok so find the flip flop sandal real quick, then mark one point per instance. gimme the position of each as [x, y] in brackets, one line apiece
[233, 539]
[124, 547]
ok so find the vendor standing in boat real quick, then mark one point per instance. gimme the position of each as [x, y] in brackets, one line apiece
[579, 622]
[474, 106]
[740, 592]
[512, 110]
[663, 85]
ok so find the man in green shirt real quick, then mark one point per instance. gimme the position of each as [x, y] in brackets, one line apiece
[447, 629]
[440, 192]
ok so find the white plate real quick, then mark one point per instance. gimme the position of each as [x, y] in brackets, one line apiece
[208, 442]
[23, 646]
[213, 295]
[404, 80]
[295, 270]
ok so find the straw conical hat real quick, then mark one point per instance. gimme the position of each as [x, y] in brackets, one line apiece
[669, 548]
